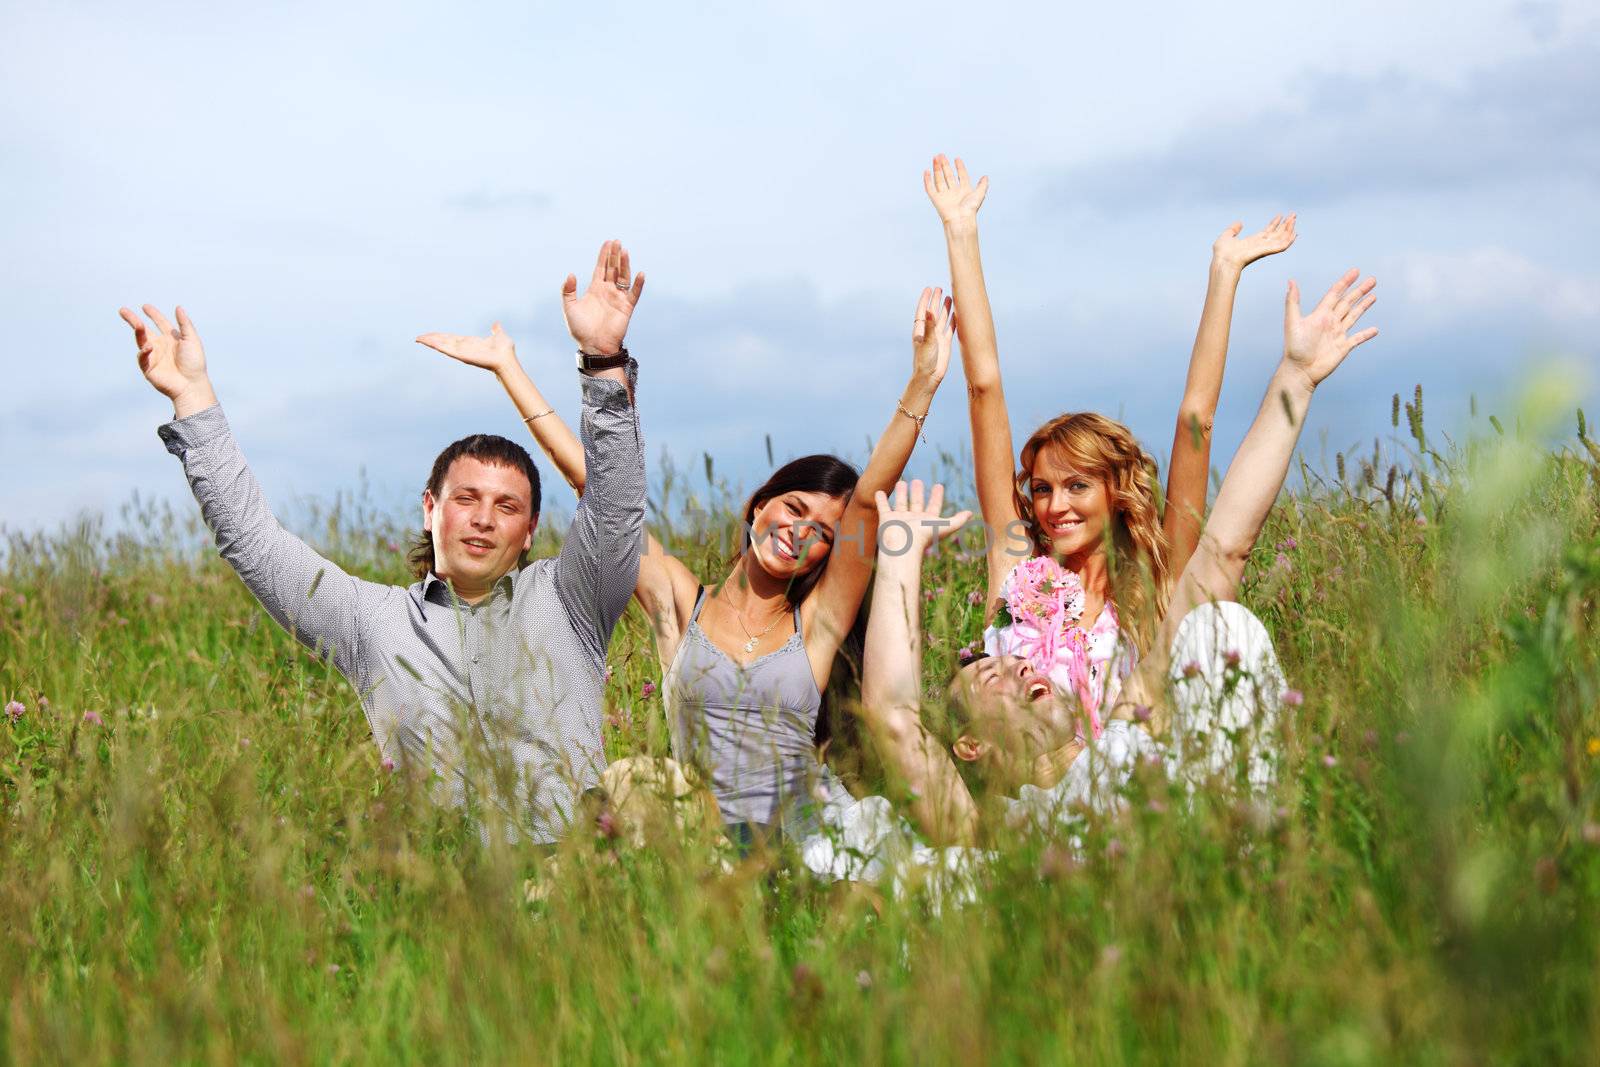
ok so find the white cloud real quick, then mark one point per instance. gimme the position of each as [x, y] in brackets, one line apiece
[1490, 281]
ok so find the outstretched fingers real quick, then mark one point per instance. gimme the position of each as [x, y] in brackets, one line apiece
[637, 290]
[140, 334]
[154, 313]
[1331, 297]
[1343, 308]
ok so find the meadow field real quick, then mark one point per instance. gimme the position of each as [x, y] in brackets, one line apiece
[205, 861]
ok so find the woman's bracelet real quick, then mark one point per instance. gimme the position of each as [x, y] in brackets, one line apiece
[529, 418]
[918, 419]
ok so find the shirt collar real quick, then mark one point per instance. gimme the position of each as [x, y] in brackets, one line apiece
[438, 591]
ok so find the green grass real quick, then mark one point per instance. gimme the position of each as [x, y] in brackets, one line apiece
[220, 870]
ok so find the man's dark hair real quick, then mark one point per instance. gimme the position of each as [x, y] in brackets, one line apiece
[485, 448]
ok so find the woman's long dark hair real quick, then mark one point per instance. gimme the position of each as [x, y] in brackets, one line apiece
[824, 474]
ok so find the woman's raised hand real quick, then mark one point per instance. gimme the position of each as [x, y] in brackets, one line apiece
[930, 336]
[598, 320]
[495, 352]
[955, 197]
[914, 520]
[1239, 252]
[1317, 343]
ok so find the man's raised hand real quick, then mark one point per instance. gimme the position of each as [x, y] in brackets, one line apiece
[1315, 344]
[495, 352]
[598, 320]
[172, 359]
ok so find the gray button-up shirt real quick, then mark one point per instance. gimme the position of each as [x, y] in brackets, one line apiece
[500, 701]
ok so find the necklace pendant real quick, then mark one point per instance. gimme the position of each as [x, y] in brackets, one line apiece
[750, 645]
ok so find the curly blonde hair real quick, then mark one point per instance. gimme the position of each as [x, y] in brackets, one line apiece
[1106, 449]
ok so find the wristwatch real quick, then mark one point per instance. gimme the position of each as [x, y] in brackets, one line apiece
[589, 363]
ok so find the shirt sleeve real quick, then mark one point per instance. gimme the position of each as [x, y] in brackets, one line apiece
[312, 598]
[599, 562]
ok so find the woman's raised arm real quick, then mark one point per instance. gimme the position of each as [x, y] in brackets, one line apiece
[1314, 346]
[838, 594]
[957, 200]
[1189, 468]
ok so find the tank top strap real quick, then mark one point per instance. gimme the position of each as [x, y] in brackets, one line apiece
[699, 602]
[797, 622]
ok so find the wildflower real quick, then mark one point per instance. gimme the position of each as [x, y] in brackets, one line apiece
[1293, 698]
[1330, 760]
[647, 690]
[392, 546]
[44, 703]
[307, 892]
[1157, 806]
[1191, 669]
[1110, 956]
[93, 718]
[1288, 544]
[1594, 746]
[15, 710]
[1141, 713]
[1056, 863]
[1370, 739]
[333, 968]
[244, 742]
[975, 597]
[605, 825]
[608, 672]
[1115, 848]
[388, 764]
[1231, 657]
[965, 654]
[864, 980]
[1280, 562]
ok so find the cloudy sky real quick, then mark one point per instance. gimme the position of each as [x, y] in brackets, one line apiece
[319, 183]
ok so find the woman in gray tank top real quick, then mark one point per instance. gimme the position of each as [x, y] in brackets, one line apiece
[745, 660]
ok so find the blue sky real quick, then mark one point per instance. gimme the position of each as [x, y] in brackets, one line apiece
[318, 184]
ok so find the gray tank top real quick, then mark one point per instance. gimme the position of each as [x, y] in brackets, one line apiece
[749, 729]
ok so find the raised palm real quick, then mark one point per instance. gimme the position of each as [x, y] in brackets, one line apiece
[930, 337]
[915, 517]
[1317, 343]
[953, 194]
[1243, 251]
[171, 359]
[495, 352]
[598, 320]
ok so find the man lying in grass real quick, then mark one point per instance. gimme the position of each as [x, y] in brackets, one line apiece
[486, 675]
[1203, 702]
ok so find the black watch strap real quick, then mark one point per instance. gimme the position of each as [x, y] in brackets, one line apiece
[590, 363]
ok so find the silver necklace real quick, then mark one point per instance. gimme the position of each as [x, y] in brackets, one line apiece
[750, 645]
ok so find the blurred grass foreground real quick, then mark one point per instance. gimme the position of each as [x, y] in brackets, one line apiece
[203, 859]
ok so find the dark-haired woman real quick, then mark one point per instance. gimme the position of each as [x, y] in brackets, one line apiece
[745, 659]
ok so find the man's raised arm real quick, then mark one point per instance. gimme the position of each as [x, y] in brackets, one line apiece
[599, 563]
[308, 596]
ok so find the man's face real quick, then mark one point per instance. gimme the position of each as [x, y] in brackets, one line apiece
[481, 522]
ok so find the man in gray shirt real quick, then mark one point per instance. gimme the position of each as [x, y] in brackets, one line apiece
[486, 675]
